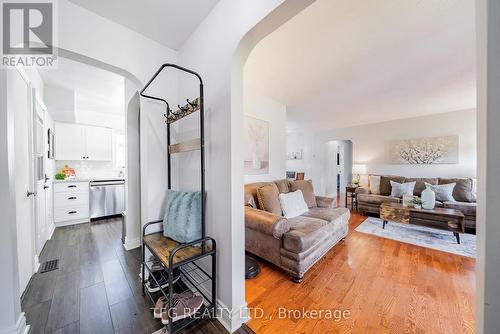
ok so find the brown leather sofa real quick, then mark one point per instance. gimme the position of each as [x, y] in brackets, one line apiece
[293, 244]
[463, 193]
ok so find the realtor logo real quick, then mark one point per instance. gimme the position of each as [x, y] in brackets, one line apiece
[28, 33]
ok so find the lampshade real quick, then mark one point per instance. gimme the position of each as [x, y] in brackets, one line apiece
[358, 169]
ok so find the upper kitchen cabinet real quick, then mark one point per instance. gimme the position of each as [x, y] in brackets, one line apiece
[82, 142]
[70, 141]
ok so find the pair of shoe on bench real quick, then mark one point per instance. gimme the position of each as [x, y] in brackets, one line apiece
[162, 277]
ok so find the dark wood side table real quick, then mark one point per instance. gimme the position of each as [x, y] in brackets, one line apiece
[350, 192]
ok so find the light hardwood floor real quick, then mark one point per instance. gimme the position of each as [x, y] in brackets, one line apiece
[387, 286]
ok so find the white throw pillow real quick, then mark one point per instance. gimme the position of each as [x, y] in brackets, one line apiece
[293, 204]
[402, 189]
[374, 182]
[444, 192]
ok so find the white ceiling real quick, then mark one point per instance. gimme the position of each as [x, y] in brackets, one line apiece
[96, 90]
[169, 22]
[343, 63]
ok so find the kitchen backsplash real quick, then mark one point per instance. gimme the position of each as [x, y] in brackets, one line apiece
[86, 169]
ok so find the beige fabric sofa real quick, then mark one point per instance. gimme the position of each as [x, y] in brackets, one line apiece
[293, 244]
[463, 193]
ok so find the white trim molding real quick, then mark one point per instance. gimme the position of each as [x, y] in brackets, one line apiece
[131, 243]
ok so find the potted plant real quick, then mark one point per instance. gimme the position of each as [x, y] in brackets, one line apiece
[416, 202]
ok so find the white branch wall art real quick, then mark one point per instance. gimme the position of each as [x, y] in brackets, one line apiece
[431, 150]
[256, 146]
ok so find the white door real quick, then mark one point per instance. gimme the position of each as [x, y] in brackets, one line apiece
[70, 142]
[19, 92]
[41, 233]
[98, 143]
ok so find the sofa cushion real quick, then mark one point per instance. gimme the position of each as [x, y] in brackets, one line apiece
[443, 192]
[376, 199]
[467, 208]
[374, 184]
[283, 186]
[402, 189]
[268, 199]
[251, 190]
[328, 214]
[385, 183]
[292, 204]
[420, 183]
[463, 189]
[304, 233]
[307, 189]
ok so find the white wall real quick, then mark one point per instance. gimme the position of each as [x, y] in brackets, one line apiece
[215, 51]
[60, 103]
[267, 109]
[488, 215]
[370, 145]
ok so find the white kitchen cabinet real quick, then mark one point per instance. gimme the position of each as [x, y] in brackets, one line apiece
[70, 141]
[99, 144]
[71, 203]
[82, 142]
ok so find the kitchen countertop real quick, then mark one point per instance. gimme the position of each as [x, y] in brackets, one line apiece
[88, 179]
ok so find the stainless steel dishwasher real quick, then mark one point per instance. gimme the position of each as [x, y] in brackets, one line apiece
[107, 198]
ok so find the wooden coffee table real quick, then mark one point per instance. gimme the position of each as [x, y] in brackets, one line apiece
[439, 218]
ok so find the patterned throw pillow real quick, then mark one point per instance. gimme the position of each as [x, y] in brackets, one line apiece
[402, 189]
[444, 192]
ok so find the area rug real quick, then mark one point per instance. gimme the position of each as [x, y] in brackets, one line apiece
[421, 236]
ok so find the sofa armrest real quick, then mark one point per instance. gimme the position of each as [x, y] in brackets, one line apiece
[325, 202]
[362, 190]
[266, 222]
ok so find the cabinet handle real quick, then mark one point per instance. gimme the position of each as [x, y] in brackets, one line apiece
[72, 186]
[71, 212]
[72, 197]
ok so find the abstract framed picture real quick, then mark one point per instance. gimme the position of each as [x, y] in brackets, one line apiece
[430, 150]
[256, 134]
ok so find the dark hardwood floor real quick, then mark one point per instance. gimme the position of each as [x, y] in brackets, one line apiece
[96, 289]
[387, 286]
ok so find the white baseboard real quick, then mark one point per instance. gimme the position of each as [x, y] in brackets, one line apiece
[19, 328]
[131, 243]
[36, 264]
[52, 228]
[72, 222]
[231, 319]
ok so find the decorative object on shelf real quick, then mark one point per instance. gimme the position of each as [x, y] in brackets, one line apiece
[50, 142]
[415, 202]
[290, 175]
[294, 155]
[357, 171]
[256, 133]
[428, 198]
[299, 176]
[431, 150]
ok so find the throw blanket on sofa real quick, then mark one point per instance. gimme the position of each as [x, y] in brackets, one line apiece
[182, 221]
